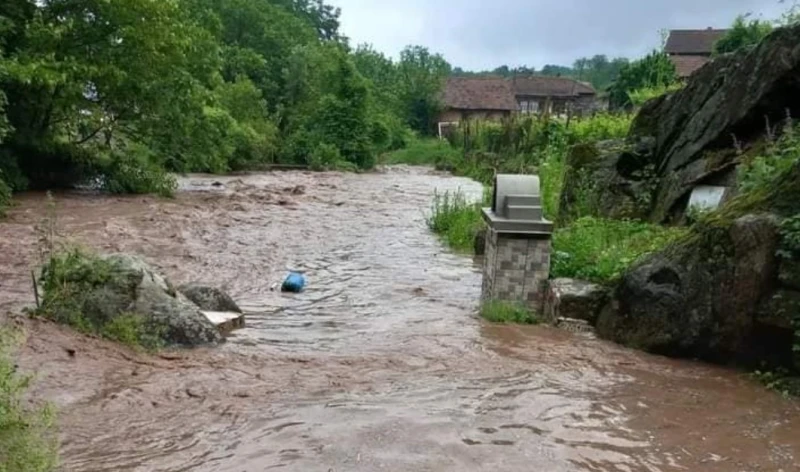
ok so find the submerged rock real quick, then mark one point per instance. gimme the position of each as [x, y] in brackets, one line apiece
[209, 298]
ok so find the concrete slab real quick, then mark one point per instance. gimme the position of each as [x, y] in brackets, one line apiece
[226, 322]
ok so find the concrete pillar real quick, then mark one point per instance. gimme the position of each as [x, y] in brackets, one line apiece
[518, 243]
[516, 268]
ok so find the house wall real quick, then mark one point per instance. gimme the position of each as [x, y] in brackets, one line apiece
[582, 105]
[454, 116]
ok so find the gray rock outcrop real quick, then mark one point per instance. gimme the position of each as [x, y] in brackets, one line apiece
[574, 299]
[209, 298]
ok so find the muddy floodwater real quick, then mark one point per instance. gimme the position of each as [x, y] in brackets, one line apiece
[382, 364]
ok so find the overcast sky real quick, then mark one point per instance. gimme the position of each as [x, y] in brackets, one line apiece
[483, 34]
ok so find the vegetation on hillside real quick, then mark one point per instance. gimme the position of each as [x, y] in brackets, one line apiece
[28, 440]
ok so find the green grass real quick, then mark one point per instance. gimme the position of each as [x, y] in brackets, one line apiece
[601, 250]
[133, 331]
[424, 152]
[505, 312]
[455, 219]
[28, 440]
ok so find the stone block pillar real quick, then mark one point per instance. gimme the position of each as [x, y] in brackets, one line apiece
[518, 244]
[516, 268]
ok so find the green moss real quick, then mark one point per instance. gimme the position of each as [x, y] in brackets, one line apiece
[506, 312]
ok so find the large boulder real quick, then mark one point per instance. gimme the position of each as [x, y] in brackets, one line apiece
[92, 292]
[612, 179]
[699, 297]
[209, 298]
[574, 299]
[728, 104]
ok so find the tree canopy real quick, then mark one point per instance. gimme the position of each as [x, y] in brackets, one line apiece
[742, 34]
[126, 90]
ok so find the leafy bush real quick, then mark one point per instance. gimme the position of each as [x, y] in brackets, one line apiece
[641, 96]
[505, 312]
[654, 70]
[425, 152]
[455, 219]
[778, 157]
[28, 440]
[133, 171]
[600, 127]
[601, 249]
[324, 157]
[742, 34]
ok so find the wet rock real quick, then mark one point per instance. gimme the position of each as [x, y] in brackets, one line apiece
[129, 286]
[479, 242]
[613, 179]
[700, 297]
[781, 309]
[209, 298]
[574, 299]
[726, 104]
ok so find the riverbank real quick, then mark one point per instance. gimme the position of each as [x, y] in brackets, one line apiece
[383, 362]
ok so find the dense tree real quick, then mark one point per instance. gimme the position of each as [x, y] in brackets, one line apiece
[421, 77]
[126, 89]
[742, 34]
[654, 70]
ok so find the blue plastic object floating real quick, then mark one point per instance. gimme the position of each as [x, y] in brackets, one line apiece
[294, 283]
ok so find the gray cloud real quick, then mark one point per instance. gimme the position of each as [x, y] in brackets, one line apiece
[482, 34]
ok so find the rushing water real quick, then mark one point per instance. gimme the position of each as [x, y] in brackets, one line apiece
[382, 364]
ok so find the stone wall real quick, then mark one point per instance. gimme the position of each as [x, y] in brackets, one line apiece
[516, 268]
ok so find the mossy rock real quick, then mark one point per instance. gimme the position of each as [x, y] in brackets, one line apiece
[102, 295]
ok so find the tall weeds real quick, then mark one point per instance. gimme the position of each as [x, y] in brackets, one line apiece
[456, 219]
[28, 441]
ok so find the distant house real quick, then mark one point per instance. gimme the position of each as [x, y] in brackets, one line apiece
[555, 95]
[690, 50]
[477, 97]
[493, 98]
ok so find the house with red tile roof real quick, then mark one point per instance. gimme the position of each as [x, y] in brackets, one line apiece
[690, 50]
[494, 98]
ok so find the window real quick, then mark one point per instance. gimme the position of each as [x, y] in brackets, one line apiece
[529, 106]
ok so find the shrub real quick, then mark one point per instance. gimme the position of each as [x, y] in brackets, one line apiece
[600, 127]
[28, 441]
[601, 249]
[133, 171]
[455, 219]
[434, 152]
[505, 312]
[641, 96]
[777, 158]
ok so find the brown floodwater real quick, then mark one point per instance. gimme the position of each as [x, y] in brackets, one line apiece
[382, 364]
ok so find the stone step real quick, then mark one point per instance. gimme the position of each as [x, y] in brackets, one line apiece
[225, 321]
